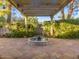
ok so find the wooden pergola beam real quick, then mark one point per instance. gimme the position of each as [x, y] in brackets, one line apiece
[39, 7]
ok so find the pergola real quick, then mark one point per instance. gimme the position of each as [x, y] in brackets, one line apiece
[39, 7]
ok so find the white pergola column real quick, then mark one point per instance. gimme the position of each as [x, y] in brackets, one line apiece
[51, 30]
[26, 22]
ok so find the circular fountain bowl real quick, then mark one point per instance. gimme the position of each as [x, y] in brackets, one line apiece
[38, 41]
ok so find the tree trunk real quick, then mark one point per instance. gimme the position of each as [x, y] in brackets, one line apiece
[9, 15]
[63, 16]
[9, 18]
[70, 12]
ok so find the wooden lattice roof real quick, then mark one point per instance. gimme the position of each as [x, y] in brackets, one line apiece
[39, 7]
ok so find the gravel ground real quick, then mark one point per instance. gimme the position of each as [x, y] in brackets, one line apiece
[20, 48]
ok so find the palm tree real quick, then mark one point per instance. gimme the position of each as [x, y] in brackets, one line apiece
[46, 28]
[31, 22]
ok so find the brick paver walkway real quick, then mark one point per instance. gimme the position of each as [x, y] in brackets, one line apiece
[19, 48]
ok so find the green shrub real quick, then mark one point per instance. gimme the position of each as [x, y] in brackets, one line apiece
[17, 34]
[67, 29]
[2, 21]
[30, 34]
[21, 34]
[18, 30]
[69, 35]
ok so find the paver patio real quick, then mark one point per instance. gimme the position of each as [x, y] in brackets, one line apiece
[19, 48]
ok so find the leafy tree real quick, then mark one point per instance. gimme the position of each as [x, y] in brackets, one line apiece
[6, 9]
[72, 6]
